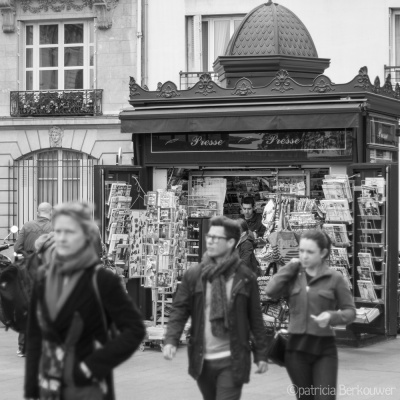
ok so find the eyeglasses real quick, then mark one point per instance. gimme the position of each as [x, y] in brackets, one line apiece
[215, 239]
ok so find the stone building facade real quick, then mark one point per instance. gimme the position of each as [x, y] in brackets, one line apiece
[64, 76]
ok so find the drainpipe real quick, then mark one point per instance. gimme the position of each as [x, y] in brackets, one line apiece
[139, 36]
[145, 30]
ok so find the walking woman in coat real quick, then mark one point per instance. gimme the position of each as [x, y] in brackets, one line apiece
[69, 352]
[319, 298]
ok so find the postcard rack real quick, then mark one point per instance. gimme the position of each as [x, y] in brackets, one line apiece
[372, 241]
[163, 249]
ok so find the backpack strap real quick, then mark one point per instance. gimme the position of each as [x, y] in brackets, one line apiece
[98, 298]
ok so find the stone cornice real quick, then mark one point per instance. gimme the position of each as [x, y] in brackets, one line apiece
[103, 10]
[8, 123]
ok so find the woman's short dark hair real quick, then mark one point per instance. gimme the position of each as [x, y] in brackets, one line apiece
[231, 227]
[243, 225]
[320, 237]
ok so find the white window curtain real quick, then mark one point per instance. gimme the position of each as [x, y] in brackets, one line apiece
[221, 37]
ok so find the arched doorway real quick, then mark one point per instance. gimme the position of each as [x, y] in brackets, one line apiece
[54, 176]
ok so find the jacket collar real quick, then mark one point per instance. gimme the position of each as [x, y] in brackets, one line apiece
[322, 272]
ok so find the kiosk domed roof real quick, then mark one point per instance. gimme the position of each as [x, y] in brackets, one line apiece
[269, 30]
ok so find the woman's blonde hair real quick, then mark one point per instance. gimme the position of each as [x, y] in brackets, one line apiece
[81, 213]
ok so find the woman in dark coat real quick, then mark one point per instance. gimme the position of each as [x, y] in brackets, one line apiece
[69, 352]
[246, 247]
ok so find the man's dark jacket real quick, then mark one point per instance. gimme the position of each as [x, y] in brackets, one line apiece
[245, 249]
[255, 224]
[30, 232]
[244, 316]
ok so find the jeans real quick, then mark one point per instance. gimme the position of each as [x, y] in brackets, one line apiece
[314, 376]
[216, 381]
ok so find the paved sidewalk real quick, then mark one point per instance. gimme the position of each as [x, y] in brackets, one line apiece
[147, 376]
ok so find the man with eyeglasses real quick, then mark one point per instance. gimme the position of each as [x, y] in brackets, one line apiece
[221, 296]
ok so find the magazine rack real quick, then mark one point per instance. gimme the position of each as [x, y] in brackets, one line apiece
[376, 272]
[338, 206]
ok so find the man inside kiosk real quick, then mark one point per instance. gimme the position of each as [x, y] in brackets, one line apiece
[253, 219]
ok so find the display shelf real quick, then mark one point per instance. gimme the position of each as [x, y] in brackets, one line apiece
[372, 217]
[368, 244]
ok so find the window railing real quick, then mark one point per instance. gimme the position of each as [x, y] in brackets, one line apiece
[189, 79]
[394, 72]
[56, 103]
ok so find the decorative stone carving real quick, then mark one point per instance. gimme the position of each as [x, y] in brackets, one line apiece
[322, 84]
[363, 79]
[133, 87]
[37, 6]
[206, 85]
[168, 90]
[56, 135]
[243, 87]
[377, 85]
[159, 85]
[387, 87]
[282, 82]
[145, 87]
[104, 9]
[104, 12]
[397, 91]
[7, 8]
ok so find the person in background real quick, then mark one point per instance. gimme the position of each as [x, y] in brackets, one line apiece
[69, 353]
[33, 229]
[25, 244]
[221, 296]
[246, 246]
[319, 298]
[253, 219]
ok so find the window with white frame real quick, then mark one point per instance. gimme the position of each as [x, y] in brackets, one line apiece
[53, 176]
[215, 33]
[59, 55]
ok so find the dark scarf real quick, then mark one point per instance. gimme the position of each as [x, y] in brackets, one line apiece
[72, 267]
[217, 274]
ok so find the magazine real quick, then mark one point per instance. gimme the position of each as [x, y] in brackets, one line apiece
[337, 187]
[339, 257]
[119, 189]
[119, 245]
[368, 206]
[378, 182]
[119, 202]
[366, 315]
[365, 274]
[120, 215]
[367, 290]
[337, 234]
[366, 261]
[336, 210]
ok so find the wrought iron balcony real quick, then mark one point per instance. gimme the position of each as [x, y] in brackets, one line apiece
[394, 72]
[56, 103]
[189, 79]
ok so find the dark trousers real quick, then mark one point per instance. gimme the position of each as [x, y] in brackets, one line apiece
[21, 342]
[216, 381]
[314, 376]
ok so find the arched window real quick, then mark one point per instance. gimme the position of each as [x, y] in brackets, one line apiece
[54, 176]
